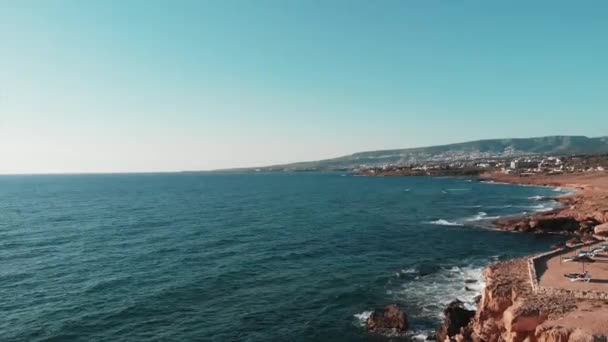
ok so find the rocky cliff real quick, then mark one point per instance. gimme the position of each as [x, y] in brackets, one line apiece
[510, 311]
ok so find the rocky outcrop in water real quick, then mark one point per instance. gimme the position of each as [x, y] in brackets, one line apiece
[388, 320]
[540, 223]
[456, 319]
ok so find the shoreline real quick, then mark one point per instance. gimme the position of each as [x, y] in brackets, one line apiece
[511, 307]
[581, 210]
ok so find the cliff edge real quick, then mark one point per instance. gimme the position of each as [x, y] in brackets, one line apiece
[510, 311]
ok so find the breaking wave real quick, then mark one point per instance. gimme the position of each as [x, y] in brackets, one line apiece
[427, 295]
[481, 216]
[442, 222]
[362, 317]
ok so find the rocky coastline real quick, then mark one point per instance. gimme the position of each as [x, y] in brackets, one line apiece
[579, 215]
[509, 309]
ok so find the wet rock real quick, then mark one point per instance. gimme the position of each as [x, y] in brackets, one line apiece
[390, 319]
[557, 224]
[533, 224]
[456, 318]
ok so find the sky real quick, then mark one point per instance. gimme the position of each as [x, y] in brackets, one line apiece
[132, 86]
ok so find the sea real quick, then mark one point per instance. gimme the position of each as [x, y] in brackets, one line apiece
[246, 256]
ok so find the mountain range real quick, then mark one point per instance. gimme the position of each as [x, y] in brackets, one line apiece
[472, 150]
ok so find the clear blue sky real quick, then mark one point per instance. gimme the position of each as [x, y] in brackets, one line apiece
[174, 85]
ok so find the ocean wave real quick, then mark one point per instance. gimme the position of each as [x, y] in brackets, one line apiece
[501, 206]
[420, 335]
[548, 206]
[495, 182]
[409, 271]
[471, 206]
[537, 197]
[431, 294]
[405, 272]
[427, 296]
[362, 317]
[459, 189]
[442, 222]
[558, 189]
[481, 216]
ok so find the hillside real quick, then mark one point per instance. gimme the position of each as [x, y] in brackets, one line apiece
[492, 148]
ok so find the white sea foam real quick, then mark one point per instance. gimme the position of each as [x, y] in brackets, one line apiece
[536, 198]
[409, 271]
[427, 296]
[558, 189]
[548, 206]
[430, 294]
[442, 222]
[362, 317]
[481, 216]
[495, 182]
[420, 336]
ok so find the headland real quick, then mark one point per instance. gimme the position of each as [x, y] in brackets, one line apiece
[546, 297]
[531, 299]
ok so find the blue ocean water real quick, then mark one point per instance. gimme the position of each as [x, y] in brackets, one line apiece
[243, 257]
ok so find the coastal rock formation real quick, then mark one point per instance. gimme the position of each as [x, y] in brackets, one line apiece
[552, 333]
[510, 311]
[456, 318]
[539, 223]
[390, 319]
[601, 230]
[521, 319]
[587, 238]
[579, 214]
[573, 242]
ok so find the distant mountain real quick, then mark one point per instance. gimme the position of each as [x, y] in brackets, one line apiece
[492, 148]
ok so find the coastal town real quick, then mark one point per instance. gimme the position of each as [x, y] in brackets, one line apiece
[521, 166]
